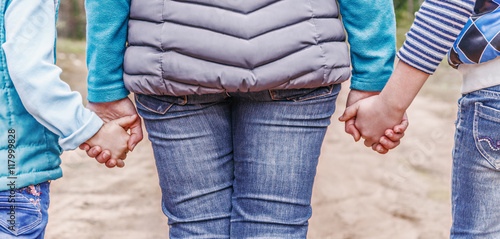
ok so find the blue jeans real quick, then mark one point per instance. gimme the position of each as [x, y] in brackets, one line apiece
[238, 165]
[23, 212]
[476, 166]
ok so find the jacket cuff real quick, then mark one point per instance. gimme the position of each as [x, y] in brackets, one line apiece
[86, 132]
[106, 95]
[361, 84]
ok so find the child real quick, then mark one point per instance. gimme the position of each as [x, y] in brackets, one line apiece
[39, 117]
[476, 176]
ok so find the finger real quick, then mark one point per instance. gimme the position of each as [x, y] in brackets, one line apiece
[85, 147]
[379, 149]
[136, 134]
[391, 135]
[94, 151]
[389, 144]
[123, 156]
[103, 157]
[111, 163]
[126, 121]
[351, 129]
[120, 163]
[401, 128]
[369, 143]
[350, 112]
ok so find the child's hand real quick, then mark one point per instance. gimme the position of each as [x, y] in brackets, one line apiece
[373, 117]
[103, 157]
[113, 138]
[392, 137]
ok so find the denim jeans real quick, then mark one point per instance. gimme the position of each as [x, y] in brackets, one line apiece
[23, 212]
[476, 166]
[238, 165]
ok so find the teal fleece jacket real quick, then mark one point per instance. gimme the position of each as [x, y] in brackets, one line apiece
[39, 114]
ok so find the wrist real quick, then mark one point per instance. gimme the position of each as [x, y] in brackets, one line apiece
[357, 95]
[118, 100]
[395, 105]
[106, 95]
[365, 93]
[402, 87]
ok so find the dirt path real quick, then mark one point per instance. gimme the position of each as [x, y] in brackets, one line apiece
[358, 194]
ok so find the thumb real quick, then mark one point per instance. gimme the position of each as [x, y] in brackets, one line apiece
[401, 128]
[350, 112]
[351, 129]
[126, 121]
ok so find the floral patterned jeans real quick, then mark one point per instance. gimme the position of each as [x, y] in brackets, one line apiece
[23, 212]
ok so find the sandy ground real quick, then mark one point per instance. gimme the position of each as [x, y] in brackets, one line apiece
[358, 194]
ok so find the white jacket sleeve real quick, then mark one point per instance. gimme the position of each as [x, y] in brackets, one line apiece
[30, 27]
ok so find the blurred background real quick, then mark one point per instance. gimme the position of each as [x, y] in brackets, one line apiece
[71, 22]
[358, 194]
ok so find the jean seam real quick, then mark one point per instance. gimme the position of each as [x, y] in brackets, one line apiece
[273, 97]
[271, 93]
[183, 103]
[486, 93]
[316, 96]
[39, 212]
[455, 181]
[475, 133]
[489, 117]
[155, 111]
[33, 224]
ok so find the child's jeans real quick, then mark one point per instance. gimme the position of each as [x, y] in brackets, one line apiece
[23, 212]
[476, 166]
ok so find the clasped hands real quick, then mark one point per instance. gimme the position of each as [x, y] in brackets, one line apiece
[111, 143]
[367, 116]
[372, 118]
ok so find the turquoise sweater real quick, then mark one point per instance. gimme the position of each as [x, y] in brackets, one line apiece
[370, 25]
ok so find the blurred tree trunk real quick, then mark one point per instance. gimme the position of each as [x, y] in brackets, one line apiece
[411, 7]
[71, 22]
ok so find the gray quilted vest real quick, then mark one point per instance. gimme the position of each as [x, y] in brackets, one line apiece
[188, 47]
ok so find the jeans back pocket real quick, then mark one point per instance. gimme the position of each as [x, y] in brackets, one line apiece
[487, 134]
[304, 94]
[18, 214]
[153, 104]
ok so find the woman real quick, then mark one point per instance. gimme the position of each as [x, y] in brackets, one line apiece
[236, 97]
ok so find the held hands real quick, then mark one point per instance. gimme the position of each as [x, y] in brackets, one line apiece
[108, 112]
[378, 115]
[369, 117]
[113, 138]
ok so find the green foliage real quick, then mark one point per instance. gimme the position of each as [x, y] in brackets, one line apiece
[405, 13]
[71, 23]
[403, 24]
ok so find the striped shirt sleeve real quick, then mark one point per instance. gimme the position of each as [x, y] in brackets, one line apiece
[434, 30]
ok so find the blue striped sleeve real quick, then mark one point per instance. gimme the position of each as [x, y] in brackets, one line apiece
[436, 26]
